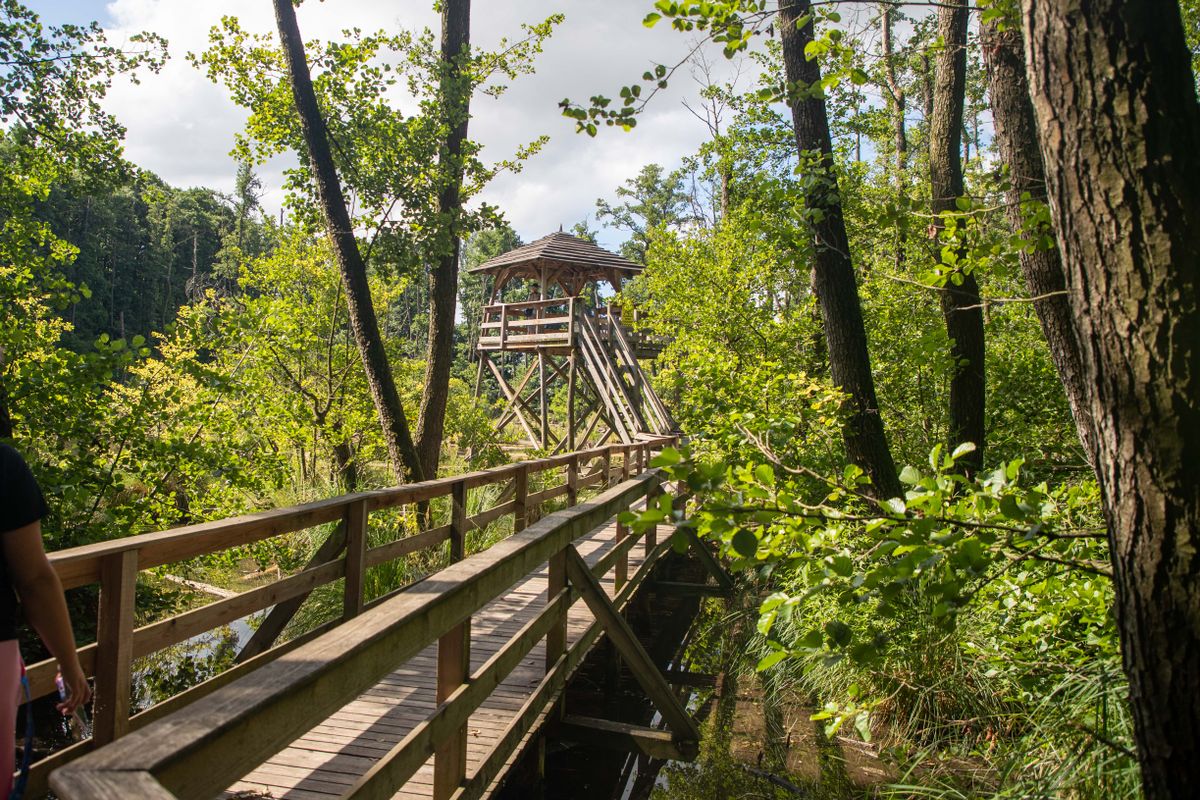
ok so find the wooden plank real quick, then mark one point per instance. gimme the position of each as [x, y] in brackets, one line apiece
[102, 786]
[114, 639]
[622, 736]
[407, 545]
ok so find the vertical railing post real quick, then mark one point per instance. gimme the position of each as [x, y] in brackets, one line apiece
[653, 491]
[503, 324]
[573, 480]
[520, 497]
[556, 637]
[114, 640]
[458, 521]
[625, 461]
[454, 665]
[621, 568]
[356, 550]
[607, 481]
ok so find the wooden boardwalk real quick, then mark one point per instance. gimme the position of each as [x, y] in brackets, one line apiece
[329, 758]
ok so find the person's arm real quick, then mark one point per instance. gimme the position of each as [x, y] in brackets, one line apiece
[45, 607]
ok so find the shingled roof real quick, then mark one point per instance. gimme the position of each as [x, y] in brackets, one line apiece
[560, 250]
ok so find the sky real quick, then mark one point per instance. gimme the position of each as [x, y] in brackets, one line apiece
[181, 126]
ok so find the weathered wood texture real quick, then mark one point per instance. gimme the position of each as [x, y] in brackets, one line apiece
[115, 565]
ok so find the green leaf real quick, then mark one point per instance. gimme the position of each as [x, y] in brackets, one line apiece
[764, 474]
[651, 19]
[745, 543]
[910, 475]
[838, 632]
[962, 450]
[770, 660]
[669, 457]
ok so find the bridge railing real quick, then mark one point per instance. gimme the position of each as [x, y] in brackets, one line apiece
[115, 566]
[205, 747]
[528, 324]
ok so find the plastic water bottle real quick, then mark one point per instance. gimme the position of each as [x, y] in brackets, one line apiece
[80, 727]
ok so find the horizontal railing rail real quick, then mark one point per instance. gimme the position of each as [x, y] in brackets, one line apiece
[528, 323]
[115, 565]
[206, 746]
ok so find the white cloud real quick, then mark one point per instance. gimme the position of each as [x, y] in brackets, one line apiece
[181, 126]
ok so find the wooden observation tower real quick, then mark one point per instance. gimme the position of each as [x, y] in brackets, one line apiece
[562, 344]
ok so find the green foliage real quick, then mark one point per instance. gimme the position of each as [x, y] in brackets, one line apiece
[389, 156]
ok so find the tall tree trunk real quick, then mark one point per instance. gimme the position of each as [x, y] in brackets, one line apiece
[455, 93]
[350, 262]
[898, 103]
[1016, 135]
[960, 296]
[1118, 125]
[833, 271]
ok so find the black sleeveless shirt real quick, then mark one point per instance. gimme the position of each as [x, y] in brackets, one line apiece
[21, 503]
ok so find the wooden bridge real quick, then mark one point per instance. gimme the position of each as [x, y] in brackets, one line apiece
[432, 690]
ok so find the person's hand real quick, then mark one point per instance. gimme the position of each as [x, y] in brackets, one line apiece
[78, 691]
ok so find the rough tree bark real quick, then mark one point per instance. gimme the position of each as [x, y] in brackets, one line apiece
[350, 262]
[455, 93]
[960, 297]
[1016, 135]
[1118, 125]
[898, 102]
[833, 271]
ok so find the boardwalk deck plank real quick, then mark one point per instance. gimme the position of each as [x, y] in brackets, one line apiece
[325, 761]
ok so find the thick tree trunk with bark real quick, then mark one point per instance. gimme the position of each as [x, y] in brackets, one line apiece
[898, 103]
[833, 272]
[455, 91]
[960, 297]
[1016, 135]
[1118, 125]
[350, 262]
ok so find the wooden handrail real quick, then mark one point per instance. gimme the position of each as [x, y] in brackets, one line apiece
[115, 564]
[203, 748]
